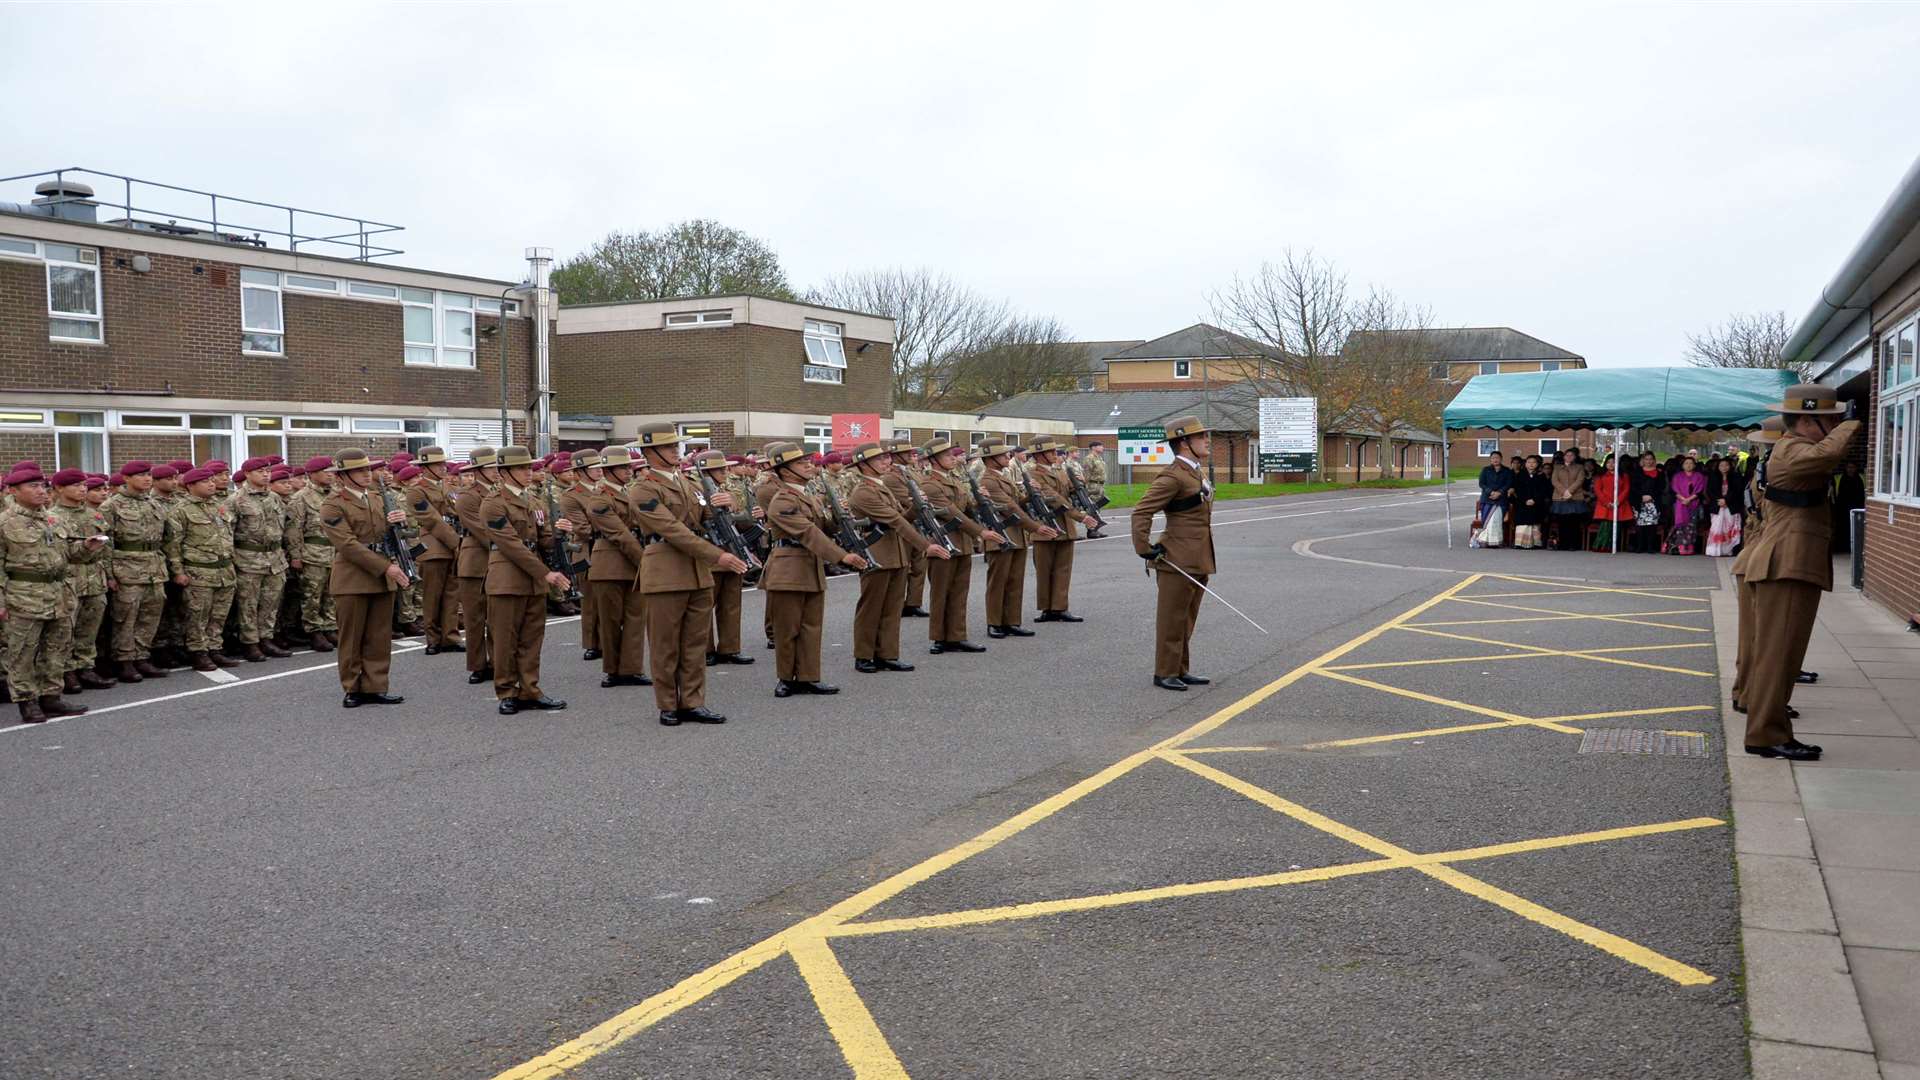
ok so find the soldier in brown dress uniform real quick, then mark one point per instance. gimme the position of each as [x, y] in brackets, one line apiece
[614, 599]
[363, 581]
[904, 453]
[677, 576]
[1768, 434]
[948, 580]
[876, 617]
[1182, 492]
[727, 586]
[470, 562]
[1007, 561]
[434, 518]
[1053, 559]
[795, 579]
[517, 584]
[1792, 564]
[572, 489]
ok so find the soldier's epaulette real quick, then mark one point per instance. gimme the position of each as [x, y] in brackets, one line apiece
[648, 505]
[498, 523]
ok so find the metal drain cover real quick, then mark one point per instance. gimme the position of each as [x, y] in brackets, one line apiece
[1642, 741]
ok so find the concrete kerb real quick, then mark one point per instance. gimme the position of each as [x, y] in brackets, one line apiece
[1803, 1012]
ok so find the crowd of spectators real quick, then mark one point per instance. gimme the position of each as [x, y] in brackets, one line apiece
[1685, 505]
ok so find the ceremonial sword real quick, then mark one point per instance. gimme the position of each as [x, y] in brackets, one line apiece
[1210, 592]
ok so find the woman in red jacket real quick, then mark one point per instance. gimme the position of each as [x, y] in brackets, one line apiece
[1612, 506]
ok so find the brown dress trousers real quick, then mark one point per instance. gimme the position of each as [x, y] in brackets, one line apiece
[795, 579]
[439, 595]
[1007, 563]
[876, 617]
[1743, 591]
[948, 580]
[916, 584]
[1187, 499]
[1053, 559]
[516, 592]
[677, 577]
[619, 607]
[573, 507]
[1789, 569]
[352, 519]
[470, 571]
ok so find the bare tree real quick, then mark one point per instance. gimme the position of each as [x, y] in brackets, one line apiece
[692, 258]
[1746, 340]
[1024, 355]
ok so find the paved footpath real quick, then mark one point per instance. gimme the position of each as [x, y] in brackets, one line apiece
[1829, 855]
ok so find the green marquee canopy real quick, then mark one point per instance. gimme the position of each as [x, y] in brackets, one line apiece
[1679, 397]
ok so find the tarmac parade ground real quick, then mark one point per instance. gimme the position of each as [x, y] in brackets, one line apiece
[1460, 824]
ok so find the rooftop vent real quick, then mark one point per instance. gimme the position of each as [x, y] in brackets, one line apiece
[69, 199]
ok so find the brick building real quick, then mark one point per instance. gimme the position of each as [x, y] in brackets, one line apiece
[1862, 337]
[124, 335]
[1194, 356]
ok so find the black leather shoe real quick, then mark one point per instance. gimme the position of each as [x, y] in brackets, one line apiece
[964, 645]
[1790, 750]
[1169, 682]
[865, 667]
[453, 646]
[1792, 713]
[937, 648]
[668, 718]
[619, 680]
[996, 631]
[912, 612]
[1045, 616]
[1016, 630]
[713, 659]
[431, 650]
[1807, 677]
[894, 665]
[1194, 680]
[732, 658]
[542, 702]
[820, 688]
[700, 716]
[783, 688]
[351, 701]
[508, 706]
[1066, 616]
[590, 654]
[382, 699]
[475, 678]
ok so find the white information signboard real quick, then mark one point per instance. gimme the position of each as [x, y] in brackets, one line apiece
[1144, 446]
[1289, 434]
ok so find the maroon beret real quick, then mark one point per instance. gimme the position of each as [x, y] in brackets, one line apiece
[116, 480]
[280, 472]
[214, 466]
[276, 459]
[318, 463]
[25, 472]
[253, 463]
[454, 468]
[135, 468]
[407, 472]
[194, 476]
[163, 472]
[69, 476]
[96, 482]
[180, 465]
[296, 470]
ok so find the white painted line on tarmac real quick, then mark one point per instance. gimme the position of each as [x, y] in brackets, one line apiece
[220, 675]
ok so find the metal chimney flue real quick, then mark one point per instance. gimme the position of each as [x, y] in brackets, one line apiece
[67, 199]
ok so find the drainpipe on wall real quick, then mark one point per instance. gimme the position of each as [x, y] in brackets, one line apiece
[539, 271]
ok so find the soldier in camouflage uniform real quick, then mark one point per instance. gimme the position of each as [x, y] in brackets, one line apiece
[286, 484]
[137, 521]
[199, 547]
[169, 639]
[312, 554]
[259, 560]
[86, 577]
[35, 603]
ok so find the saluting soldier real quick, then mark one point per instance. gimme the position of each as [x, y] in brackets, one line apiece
[36, 607]
[615, 602]
[363, 581]
[948, 580]
[199, 545]
[259, 560]
[727, 586]
[903, 452]
[439, 528]
[677, 576]
[1792, 563]
[571, 492]
[517, 583]
[470, 564]
[86, 577]
[1768, 434]
[138, 569]
[1184, 494]
[313, 559]
[876, 616]
[1053, 558]
[1007, 560]
[794, 578]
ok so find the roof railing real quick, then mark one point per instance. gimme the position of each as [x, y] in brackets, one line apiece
[223, 214]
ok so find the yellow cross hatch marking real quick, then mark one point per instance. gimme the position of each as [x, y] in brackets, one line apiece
[1577, 654]
[1533, 651]
[1431, 699]
[860, 1039]
[1566, 618]
[1581, 615]
[1614, 590]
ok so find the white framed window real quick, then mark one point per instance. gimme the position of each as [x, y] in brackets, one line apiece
[1183, 369]
[1549, 447]
[902, 433]
[698, 430]
[309, 283]
[816, 438]
[13, 246]
[80, 440]
[139, 421]
[1489, 446]
[976, 438]
[19, 416]
[416, 327]
[262, 331]
[938, 434]
[816, 373]
[266, 435]
[378, 425]
[212, 435]
[681, 320]
[826, 352]
[73, 294]
[315, 425]
[1489, 367]
[493, 305]
[367, 290]
[456, 324]
[1549, 365]
[463, 435]
[421, 434]
[1896, 464]
[1438, 370]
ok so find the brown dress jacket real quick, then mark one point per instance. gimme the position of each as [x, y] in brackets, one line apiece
[796, 517]
[1183, 495]
[665, 509]
[472, 561]
[430, 508]
[352, 520]
[872, 500]
[616, 550]
[950, 499]
[1002, 487]
[1796, 544]
[509, 524]
[1056, 487]
[572, 502]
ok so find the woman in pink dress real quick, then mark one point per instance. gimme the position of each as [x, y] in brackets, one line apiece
[1689, 486]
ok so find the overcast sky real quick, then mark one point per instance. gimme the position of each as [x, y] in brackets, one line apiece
[1607, 178]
